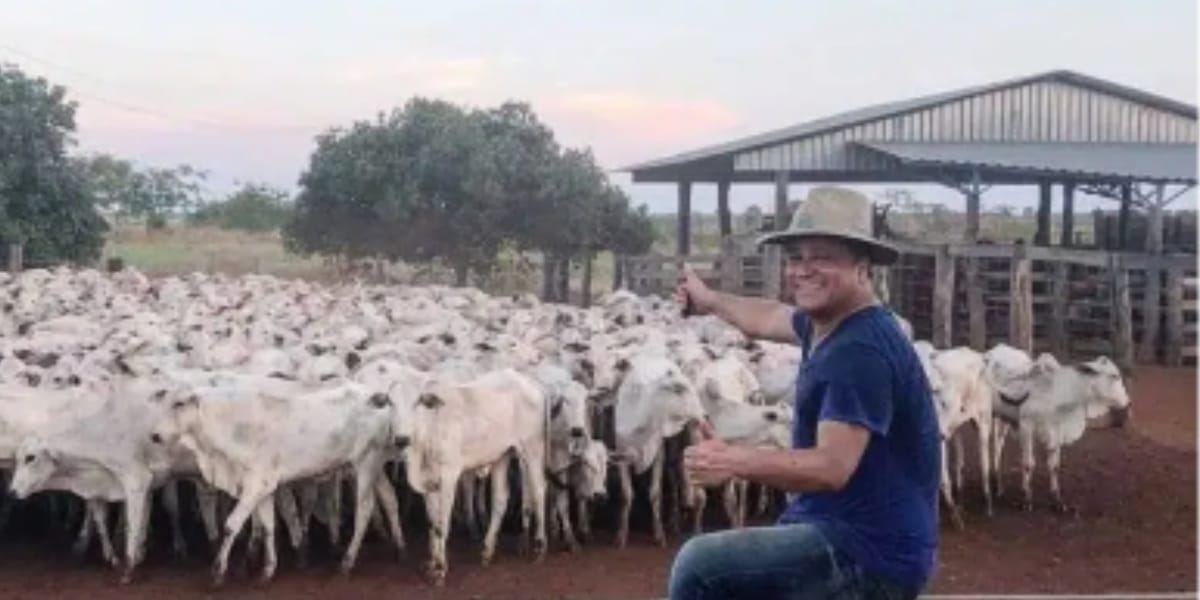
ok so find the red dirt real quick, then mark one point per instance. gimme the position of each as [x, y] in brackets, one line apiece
[1135, 532]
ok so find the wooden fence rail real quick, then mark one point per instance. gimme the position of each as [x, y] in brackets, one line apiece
[1074, 303]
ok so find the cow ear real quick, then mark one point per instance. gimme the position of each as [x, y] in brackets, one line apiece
[353, 360]
[430, 401]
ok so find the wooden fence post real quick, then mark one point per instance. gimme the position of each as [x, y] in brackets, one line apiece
[943, 298]
[772, 272]
[1059, 345]
[1151, 313]
[1174, 317]
[16, 258]
[1020, 313]
[1122, 313]
[976, 309]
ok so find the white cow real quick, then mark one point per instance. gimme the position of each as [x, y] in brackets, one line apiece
[455, 427]
[656, 401]
[247, 442]
[1051, 405]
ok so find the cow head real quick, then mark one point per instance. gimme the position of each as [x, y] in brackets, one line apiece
[36, 463]
[1105, 391]
[593, 483]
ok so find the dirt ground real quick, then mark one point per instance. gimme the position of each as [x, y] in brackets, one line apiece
[1135, 532]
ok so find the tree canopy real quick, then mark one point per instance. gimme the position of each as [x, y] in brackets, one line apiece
[45, 202]
[433, 180]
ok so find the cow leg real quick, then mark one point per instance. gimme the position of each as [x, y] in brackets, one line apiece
[86, 529]
[170, 499]
[730, 501]
[137, 499]
[626, 472]
[366, 473]
[1053, 460]
[253, 492]
[584, 517]
[308, 496]
[699, 497]
[673, 502]
[983, 427]
[98, 513]
[957, 440]
[947, 495]
[385, 497]
[265, 516]
[533, 495]
[764, 498]
[468, 506]
[439, 502]
[206, 502]
[743, 498]
[999, 435]
[331, 494]
[656, 473]
[562, 513]
[1027, 464]
[500, 492]
[285, 503]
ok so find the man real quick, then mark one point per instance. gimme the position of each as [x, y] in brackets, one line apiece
[862, 476]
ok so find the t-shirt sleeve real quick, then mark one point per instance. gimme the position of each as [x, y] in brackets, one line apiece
[858, 390]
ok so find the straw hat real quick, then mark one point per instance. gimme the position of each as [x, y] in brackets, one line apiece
[835, 212]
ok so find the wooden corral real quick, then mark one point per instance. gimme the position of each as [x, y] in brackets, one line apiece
[1074, 303]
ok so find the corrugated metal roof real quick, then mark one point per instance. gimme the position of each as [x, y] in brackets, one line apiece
[1146, 162]
[871, 113]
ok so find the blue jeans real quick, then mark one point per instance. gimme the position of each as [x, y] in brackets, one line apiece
[782, 561]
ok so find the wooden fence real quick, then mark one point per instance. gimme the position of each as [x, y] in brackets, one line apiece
[1074, 303]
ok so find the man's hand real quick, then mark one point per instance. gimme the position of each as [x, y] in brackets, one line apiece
[691, 288]
[712, 462]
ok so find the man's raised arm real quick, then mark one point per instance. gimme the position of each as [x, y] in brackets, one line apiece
[757, 318]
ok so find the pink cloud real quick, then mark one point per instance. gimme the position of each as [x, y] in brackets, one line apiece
[628, 125]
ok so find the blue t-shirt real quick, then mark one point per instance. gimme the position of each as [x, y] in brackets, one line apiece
[867, 373]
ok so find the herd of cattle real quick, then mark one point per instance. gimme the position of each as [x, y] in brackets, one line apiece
[270, 397]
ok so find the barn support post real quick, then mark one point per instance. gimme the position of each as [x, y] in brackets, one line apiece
[1068, 215]
[1042, 236]
[976, 309]
[1122, 312]
[1174, 317]
[943, 298]
[723, 216]
[781, 198]
[683, 238]
[618, 271]
[1059, 343]
[1123, 217]
[973, 192]
[1020, 300]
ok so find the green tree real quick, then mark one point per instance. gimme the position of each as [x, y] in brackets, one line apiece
[254, 208]
[45, 202]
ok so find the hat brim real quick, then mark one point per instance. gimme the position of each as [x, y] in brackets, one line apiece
[882, 253]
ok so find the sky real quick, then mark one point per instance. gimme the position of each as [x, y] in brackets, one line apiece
[241, 90]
